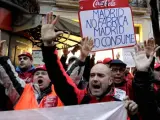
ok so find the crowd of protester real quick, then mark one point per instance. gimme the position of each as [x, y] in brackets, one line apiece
[81, 80]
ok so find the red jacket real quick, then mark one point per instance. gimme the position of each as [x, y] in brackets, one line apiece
[64, 86]
[129, 76]
[126, 86]
[26, 76]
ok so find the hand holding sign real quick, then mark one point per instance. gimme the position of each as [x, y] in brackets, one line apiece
[86, 47]
[131, 106]
[48, 33]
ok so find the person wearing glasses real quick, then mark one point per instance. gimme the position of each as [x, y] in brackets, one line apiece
[121, 82]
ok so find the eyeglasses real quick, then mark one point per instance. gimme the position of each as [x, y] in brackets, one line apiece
[121, 70]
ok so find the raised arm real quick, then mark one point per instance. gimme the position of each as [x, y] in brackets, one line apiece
[9, 78]
[64, 86]
[142, 85]
[76, 70]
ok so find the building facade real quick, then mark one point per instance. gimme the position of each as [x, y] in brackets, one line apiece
[69, 9]
[12, 18]
[140, 11]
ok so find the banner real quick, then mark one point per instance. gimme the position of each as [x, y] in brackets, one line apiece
[111, 26]
[100, 111]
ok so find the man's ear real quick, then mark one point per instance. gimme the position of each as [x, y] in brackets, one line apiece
[110, 80]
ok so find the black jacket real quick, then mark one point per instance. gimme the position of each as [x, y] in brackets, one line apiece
[5, 103]
[145, 96]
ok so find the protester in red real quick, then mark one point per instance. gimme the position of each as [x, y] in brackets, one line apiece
[100, 87]
[46, 98]
[25, 68]
[128, 75]
[118, 75]
[39, 94]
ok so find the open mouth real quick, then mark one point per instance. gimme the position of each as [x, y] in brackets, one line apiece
[117, 80]
[96, 86]
[40, 81]
[117, 77]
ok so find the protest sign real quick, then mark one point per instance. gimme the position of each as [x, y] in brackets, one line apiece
[37, 57]
[110, 27]
[100, 111]
[127, 57]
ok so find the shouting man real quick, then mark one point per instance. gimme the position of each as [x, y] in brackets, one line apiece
[100, 87]
[39, 94]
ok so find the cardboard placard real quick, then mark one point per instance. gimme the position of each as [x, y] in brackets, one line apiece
[127, 57]
[110, 27]
[37, 57]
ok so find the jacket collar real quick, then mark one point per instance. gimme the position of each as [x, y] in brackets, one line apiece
[29, 70]
[116, 93]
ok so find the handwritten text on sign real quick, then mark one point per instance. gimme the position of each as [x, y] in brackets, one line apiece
[110, 28]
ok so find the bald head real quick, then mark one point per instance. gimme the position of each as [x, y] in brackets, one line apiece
[102, 68]
[100, 79]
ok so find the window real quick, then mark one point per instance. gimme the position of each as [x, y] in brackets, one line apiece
[138, 3]
[138, 32]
